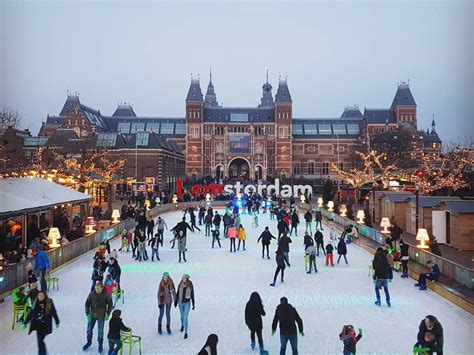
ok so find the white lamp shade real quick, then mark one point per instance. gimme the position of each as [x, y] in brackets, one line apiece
[360, 214]
[320, 200]
[344, 208]
[115, 214]
[330, 204]
[422, 235]
[385, 222]
[54, 234]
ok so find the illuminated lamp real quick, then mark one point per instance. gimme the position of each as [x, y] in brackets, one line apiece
[53, 237]
[360, 216]
[330, 206]
[115, 216]
[343, 211]
[385, 223]
[320, 202]
[90, 224]
[423, 237]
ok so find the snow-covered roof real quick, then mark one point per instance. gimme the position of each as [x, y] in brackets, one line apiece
[18, 194]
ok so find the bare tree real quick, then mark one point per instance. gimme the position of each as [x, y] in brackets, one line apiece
[9, 117]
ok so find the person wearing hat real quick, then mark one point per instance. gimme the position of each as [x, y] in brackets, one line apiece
[166, 296]
[184, 298]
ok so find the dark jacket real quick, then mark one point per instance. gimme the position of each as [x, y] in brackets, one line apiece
[150, 225]
[319, 216]
[282, 226]
[437, 331]
[154, 242]
[98, 305]
[295, 219]
[435, 273]
[404, 250]
[318, 236]
[329, 249]
[308, 241]
[182, 226]
[115, 326]
[253, 315]
[208, 219]
[288, 317]
[308, 217]
[381, 266]
[341, 247]
[396, 233]
[281, 260]
[217, 220]
[350, 342]
[284, 243]
[41, 319]
[266, 238]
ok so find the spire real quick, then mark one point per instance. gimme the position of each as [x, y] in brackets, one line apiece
[210, 100]
[403, 96]
[283, 93]
[194, 92]
[433, 126]
[267, 97]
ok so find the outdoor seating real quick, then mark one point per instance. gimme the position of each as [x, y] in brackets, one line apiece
[129, 340]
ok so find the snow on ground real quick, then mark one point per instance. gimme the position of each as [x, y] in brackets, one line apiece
[223, 283]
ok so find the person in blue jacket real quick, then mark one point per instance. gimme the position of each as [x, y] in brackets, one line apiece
[42, 266]
[433, 275]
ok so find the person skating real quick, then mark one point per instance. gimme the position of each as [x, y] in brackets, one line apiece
[192, 215]
[241, 236]
[349, 339]
[431, 325]
[215, 238]
[266, 238]
[381, 275]
[98, 269]
[41, 317]
[254, 312]
[160, 228]
[210, 348]
[150, 227]
[201, 214]
[155, 245]
[166, 296]
[184, 298]
[115, 326]
[42, 266]
[329, 255]
[342, 250]
[181, 246]
[227, 219]
[311, 253]
[217, 221]
[295, 220]
[113, 268]
[282, 228]
[318, 216]
[308, 240]
[181, 226]
[208, 224]
[433, 275]
[281, 265]
[98, 307]
[142, 253]
[232, 235]
[284, 246]
[308, 217]
[288, 318]
[319, 238]
[404, 258]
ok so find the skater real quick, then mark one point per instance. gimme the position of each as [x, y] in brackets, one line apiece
[135, 241]
[98, 269]
[201, 214]
[432, 326]
[281, 265]
[109, 284]
[180, 227]
[329, 255]
[255, 221]
[308, 217]
[42, 266]
[308, 240]
[433, 275]
[227, 219]
[311, 253]
[217, 221]
[295, 220]
[208, 224]
[282, 228]
[193, 219]
[115, 326]
[210, 348]
[41, 318]
[342, 250]
[254, 312]
[181, 246]
[395, 235]
[237, 221]
[232, 234]
[334, 237]
[215, 238]
[98, 307]
[150, 226]
[241, 236]
[284, 246]
[288, 317]
[124, 242]
[184, 298]
[319, 238]
[404, 257]
[266, 238]
[142, 253]
[381, 275]
[155, 245]
[113, 268]
[166, 296]
[350, 339]
[318, 216]
[160, 228]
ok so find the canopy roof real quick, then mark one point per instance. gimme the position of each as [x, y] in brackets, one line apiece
[22, 194]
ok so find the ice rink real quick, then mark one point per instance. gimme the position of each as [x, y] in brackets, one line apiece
[223, 283]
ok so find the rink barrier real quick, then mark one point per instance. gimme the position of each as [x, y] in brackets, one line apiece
[459, 273]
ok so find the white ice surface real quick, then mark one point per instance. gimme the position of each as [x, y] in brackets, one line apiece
[223, 283]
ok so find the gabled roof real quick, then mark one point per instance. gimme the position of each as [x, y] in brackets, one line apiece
[403, 96]
[124, 110]
[148, 140]
[460, 206]
[194, 92]
[397, 196]
[65, 133]
[239, 114]
[379, 116]
[283, 93]
[55, 120]
[352, 112]
[430, 201]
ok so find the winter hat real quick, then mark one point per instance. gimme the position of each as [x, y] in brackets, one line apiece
[187, 276]
[166, 274]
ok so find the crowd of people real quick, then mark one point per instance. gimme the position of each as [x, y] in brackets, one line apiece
[101, 303]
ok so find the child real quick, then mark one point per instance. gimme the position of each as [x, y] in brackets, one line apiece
[232, 234]
[255, 221]
[349, 339]
[241, 236]
[311, 253]
[215, 238]
[31, 275]
[124, 239]
[427, 347]
[115, 326]
[329, 256]
[109, 284]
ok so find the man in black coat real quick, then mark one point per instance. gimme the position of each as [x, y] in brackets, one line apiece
[288, 317]
[381, 275]
[282, 228]
[284, 245]
[319, 238]
[182, 226]
[217, 221]
[266, 238]
[395, 236]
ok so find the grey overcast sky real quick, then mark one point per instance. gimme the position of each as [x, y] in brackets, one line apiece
[335, 53]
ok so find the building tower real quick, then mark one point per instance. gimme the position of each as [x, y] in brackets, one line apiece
[267, 97]
[283, 142]
[211, 99]
[194, 141]
[404, 106]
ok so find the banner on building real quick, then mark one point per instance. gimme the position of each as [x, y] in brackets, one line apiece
[239, 143]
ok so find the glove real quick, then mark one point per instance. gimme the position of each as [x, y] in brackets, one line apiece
[273, 332]
[57, 326]
[106, 317]
[360, 331]
[23, 326]
[193, 308]
[88, 318]
[302, 334]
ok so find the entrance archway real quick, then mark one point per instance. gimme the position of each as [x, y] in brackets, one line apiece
[239, 169]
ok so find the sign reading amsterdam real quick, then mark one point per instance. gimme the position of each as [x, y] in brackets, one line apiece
[239, 143]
